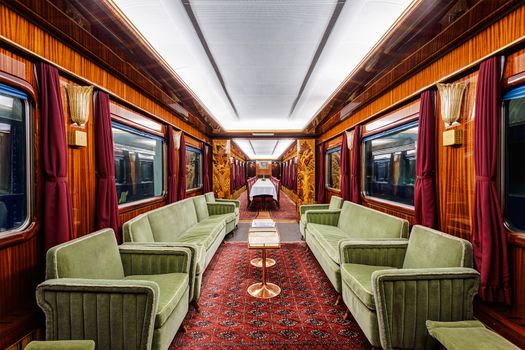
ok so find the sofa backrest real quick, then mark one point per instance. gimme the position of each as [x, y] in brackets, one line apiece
[164, 224]
[95, 256]
[361, 222]
[210, 197]
[201, 207]
[428, 248]
[335, 203]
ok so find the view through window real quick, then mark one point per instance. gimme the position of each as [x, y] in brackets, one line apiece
[193, 168]
[333, 168]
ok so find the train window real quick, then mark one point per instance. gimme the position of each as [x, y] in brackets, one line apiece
[14, 159]
[139, 159]
[333, 168]
[390, 164]
[193, 168]
[514, 102]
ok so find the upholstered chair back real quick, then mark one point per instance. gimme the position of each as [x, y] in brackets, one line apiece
[335, 203]
[210, 197]
[428, 248]
[201, 207]
[95, 256]
[361, 222]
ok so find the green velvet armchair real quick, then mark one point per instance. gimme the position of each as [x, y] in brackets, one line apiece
[335, 204]
[121, 297]
[392, 287]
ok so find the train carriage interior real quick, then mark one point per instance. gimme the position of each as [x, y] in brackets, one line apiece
[269, 174]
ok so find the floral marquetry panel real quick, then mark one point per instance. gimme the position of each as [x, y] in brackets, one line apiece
[221, 168]
[306, 171]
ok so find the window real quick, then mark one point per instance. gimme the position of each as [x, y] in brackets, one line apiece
[193, 168]
[139, 159]
[514, 144]
[390, 164]
[333, 168]
[14, 159]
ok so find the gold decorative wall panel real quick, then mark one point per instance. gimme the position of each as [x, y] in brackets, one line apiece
[306, 171]
[221, 168]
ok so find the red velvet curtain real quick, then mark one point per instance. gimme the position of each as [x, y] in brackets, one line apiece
[172, 168]
[57, 211]
[206, 184]
[238, 174]
[106, 203]
[355, 194]
[424, 195]
[181, 188]
[232, 176]
[321, 171]
[489, 238]
[345, 169]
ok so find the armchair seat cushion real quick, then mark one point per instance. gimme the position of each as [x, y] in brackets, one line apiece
[328, 237]
[359, 279]
[172, 287]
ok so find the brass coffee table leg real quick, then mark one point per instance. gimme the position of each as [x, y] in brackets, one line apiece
[264, 290]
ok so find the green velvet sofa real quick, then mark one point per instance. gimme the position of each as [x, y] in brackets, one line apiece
[61, 345]
[335, 204]
[326, 229]
[121, 297]
[392, 287]
[192, 223]
[210, 198]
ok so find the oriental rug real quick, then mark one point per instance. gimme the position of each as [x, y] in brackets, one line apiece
[303, 316]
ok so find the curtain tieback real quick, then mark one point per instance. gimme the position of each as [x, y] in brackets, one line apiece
[56, 178]
[423, 177]
[484, 178]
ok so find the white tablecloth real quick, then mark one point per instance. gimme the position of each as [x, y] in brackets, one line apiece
[263, 188]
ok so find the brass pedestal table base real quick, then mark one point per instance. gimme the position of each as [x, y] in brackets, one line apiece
[264, 290]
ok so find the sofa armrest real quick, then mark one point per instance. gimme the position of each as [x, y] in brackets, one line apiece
[374, 252]
[111, 312]
[323, 217]
[406, 298]
[234, 201]
[220, 208]
[303, 208]
[141, 259]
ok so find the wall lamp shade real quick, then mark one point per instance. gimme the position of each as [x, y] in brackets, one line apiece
[176, 139]
[79, 98]
[451, 96]
[349, 139]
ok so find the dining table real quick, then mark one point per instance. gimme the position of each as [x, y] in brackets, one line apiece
[263, 188]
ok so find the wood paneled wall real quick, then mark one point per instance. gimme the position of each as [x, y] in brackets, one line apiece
[22, 256]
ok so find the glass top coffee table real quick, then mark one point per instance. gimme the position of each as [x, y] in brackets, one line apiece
[263, 235]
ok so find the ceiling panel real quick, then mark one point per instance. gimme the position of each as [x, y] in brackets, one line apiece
[263, 148]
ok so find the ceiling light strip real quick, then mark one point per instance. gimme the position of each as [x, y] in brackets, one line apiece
[274, 147]
[331, 24]
[251, 145]
[202, 39]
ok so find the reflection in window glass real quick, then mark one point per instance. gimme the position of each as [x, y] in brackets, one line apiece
[193, 168]
[390, 164]
[13, 159]
[515, 158]
[333, 168]
[138, 164]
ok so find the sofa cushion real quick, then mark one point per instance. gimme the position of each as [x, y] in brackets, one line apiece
[203, 233]
[201, 207]
[92, 256]
[359, 279]
[139, 230]
[171, 286]
[210, 197]
[428, 248]
[362, 222]
[169, 222]
[328, 237]
[335, 203]
[229, 217]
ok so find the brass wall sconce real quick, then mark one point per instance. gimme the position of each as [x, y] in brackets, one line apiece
[79, 98]
[451, 96]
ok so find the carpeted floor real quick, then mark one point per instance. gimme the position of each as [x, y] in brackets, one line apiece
[303, 316]
[287, 209]
[288, 232]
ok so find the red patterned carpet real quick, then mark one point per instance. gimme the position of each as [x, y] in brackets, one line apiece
[286, 211]
[303, 316]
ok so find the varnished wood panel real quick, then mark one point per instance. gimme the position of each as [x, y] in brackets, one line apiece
[306, 171]
[221, 168]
